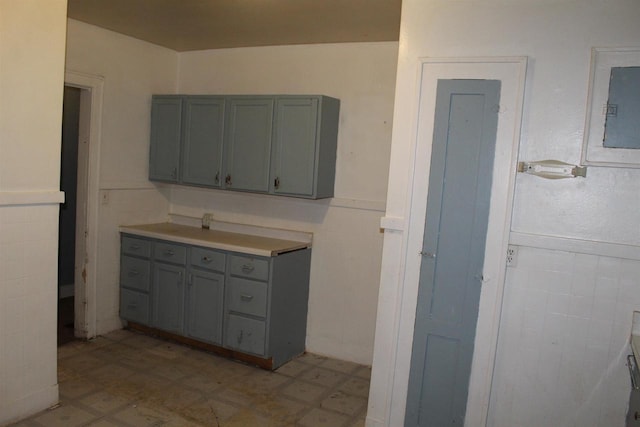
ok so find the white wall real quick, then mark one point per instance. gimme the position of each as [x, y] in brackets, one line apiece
[557, 37]
[132, 70]
[347, 242]
[32, 37]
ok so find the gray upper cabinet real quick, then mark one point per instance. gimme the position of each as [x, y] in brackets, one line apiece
[248, 143]
[186, 139]
[202, 140]
[166, 131]
[304, 146]
[275, 144]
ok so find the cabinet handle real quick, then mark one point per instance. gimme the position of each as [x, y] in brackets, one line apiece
[227, 180]
[245, 297]
[217, 178]
[190, 280]
[169, 252]
[247, 268]
[134, 247]
[205, 259]
[276, 183]
[239, 337]
[132, 306]
[174, 173]
[133, 273]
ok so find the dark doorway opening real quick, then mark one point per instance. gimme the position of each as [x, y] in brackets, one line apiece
[67, 217]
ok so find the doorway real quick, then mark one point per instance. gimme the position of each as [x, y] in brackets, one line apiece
[90, 89]
[67, 215]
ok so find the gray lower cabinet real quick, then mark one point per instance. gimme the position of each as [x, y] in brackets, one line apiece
[205, 295]
[248, 304]
[168, 297]
[135, 279]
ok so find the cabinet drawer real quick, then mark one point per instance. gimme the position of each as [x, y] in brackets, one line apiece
[253, 268]
[170, 252]
[247, 296]
[135, 273]
[135, 246]
[244, 334]
[207, 259]
[134, 306]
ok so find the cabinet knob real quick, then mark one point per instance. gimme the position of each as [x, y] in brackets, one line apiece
[205, 259]
[227, 180]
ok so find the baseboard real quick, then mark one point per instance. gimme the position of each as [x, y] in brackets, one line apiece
[372, 422]
[11, 412]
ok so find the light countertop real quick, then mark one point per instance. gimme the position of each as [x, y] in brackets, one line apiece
[245, 239]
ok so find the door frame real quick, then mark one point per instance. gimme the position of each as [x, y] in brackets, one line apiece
[91, 97]
[511, 71]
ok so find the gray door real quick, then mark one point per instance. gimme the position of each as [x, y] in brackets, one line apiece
[168, 297]
[205, 300]
[294, 150]
[202, 141]
[248, 143]
[452, 251]
[166, 129]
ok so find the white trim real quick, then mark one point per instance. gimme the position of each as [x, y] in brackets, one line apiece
[392, 223]
[389, 383]
[565, 244]
[334, 202]
[21, 198]
[25, 406]
[85, 304]
[593, 151]
[365, 205]
[128, 185]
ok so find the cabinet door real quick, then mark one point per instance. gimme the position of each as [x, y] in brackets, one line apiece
[202, 141]
[168, 297]
[248, 143]
[135, 273]
[245, 334]
[164, 151]
[204, 306]
[294, 146]
[134, 306]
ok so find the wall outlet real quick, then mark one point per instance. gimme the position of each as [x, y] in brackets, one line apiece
[512, 256]
[207, 219]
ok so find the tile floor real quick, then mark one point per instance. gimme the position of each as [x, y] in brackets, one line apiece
[128, 379]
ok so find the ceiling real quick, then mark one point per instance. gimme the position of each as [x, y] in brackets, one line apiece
[184, 25]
